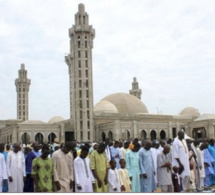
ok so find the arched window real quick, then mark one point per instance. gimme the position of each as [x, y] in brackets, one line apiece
[153, 135]
[25, 138]
[110, 135]
[143, 135]
[51, 137]
[103, 136]
[163, 134]
[39, 138]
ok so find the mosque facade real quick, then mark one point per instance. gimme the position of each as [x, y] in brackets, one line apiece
[119, 116]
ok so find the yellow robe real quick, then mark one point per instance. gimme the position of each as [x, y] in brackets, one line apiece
[124, 179]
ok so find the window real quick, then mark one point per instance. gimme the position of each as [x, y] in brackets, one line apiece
[86, 83]
[86, 63]
[79, 44]
[85, 54]
[19, 89]
[80, 114]
[81, 124]
[23, 101]
[79, 83]
[79, 63]
[19, 95]
[87, 73]
[23, 89]
[79, 53]
[88, 135]
[83, 19]
[80, 103]
[87, 103]
[85, 44]
[23, 95]
[80, 94]
[88, 124]
[81, 135]
[87, 94]
[88, 114]
[79, 73]
[79, 19]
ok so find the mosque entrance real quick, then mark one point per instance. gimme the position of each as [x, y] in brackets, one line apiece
[143, 135]
[39, 138]
[162, 134]
[110, 135]
[126, 135]
[153, 135]
[199, 133]
[25, 138]
[51, 137]
[103, 136]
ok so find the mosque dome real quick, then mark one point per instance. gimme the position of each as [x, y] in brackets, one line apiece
[190, 111]
[55, 119]
[33, 122]
[122, 103]
[105, 107]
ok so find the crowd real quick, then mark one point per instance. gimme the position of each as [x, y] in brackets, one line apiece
[120, 166]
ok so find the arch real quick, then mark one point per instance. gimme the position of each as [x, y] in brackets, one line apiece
[51, 137]
[103, 136]
[25, 138]
[39, 138]
[153, 134]
[162, 134]
[110, 135]
[199, 133]
[143, 135]
[126, 135]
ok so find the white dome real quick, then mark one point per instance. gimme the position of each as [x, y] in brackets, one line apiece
[56, 119]
[190, 111]
[105, 107]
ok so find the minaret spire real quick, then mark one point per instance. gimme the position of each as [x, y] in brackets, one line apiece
[135, 91]
[22, 89]
[79, 62]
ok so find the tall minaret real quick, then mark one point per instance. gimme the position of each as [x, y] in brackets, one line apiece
[22, 89]
[79, 62]
[135, 91]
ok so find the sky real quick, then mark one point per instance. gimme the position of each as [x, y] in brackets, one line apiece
[168, 45]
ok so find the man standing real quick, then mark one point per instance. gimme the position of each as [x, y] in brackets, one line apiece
[124, 149]
[63, 168]
[147, 180]
[43, 171]
[16, 169]
[181, 159]
[107, 149]
[115, 153]
[3, 172]
[133, 166]
[5, 186]
[99, 166]
[164, 169]
[211, 149]
[84, 179]
[36, 149]
[29, 183]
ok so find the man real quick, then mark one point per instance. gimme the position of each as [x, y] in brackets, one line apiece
[107, 149]
[181, 159]
[133, 166]
[63, 168]
[115, 153]
[200, 152]
[3, 172]
[36, 149]
[29, 183]
[124, 149]
[164, 169]
[84, 179]
[16, 169]
[5, 186]
[162, 144]
[43, 171]
[131, 145]
[211, 149]
[99, 166]
[147, 180]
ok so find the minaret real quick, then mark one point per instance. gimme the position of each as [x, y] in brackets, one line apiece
[79, 62]
[135, 91]
[22, 89]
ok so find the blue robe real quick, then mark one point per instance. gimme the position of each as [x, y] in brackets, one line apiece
[133, 167]
[209, 171]
[5, 187]
[147, 166]
[211, 149]
[113, 152]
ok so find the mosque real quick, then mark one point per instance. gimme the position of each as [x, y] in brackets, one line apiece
[117, 116]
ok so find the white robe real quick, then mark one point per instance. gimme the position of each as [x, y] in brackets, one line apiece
[114, 180]
[83, 175]
[201, 154]
[16, 169]
[155, 153]
[3, 173]
[181, 152]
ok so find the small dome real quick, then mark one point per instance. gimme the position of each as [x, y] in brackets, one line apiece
[126, 103]
[55, 119]
[205, 117]
[190, 111]
[105, 107]
[35, 122]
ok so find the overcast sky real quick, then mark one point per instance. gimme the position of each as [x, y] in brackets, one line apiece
[168, 45]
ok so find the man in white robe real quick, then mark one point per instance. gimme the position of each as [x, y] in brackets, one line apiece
[180, 159]
[3, 172]
[63, 168]
[124, 149]
[16, 169]
[84, 179]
